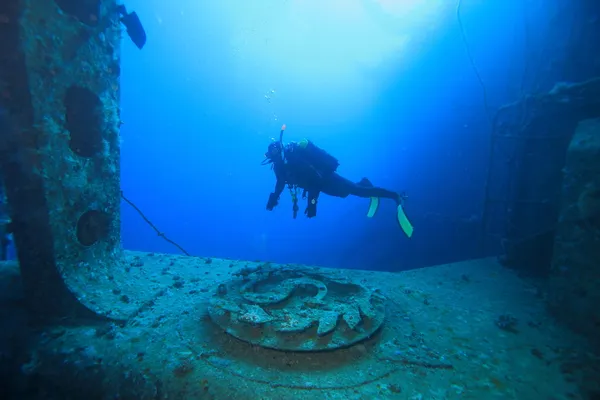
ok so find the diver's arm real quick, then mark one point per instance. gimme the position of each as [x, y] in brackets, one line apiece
[274, 197]
[279, 186]
[311, 208]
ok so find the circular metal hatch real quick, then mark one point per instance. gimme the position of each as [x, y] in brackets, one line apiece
[295, 309]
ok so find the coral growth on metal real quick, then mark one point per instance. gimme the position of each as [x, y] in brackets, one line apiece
[296, 310]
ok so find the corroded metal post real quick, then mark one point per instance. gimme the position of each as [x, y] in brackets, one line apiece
[59, 66]
[574, 286]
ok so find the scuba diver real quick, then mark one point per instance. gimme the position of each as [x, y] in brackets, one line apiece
[310, 168]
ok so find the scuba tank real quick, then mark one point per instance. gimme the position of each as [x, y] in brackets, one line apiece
[321, 160]
[311, 154]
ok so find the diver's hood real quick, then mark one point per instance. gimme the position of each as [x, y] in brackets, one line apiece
[273, 151]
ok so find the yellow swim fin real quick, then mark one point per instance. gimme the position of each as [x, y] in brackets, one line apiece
[404, 222]
[373, 207]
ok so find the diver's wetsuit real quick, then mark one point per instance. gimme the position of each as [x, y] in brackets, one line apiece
[338, 186]
[298, 173]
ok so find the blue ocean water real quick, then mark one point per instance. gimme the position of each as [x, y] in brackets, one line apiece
[386, 87]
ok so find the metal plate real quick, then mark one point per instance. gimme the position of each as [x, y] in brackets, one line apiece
[297, 310]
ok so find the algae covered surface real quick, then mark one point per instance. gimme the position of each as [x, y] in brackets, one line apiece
[441, 339]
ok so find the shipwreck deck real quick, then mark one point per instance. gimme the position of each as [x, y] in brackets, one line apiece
[440, 340]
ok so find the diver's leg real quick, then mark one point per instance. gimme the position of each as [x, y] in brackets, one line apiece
[338, 186]
[364, 188]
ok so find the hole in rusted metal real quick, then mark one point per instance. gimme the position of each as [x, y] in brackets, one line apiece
[92, 227]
